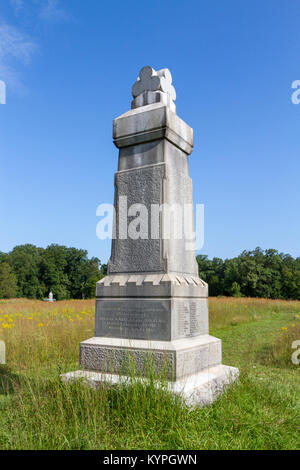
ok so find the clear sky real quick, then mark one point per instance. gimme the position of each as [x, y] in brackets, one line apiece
[69, 66]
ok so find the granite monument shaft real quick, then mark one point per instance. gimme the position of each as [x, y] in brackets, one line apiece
[152, 302]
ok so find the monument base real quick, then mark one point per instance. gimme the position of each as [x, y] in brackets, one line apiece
[170, 360]
[190, 367]
[200, 389]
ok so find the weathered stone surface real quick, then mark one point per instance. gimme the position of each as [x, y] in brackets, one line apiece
[153, 97]
[152, 122]
[134, 318]
[152, 285]
[153, 87]
[189, 317]
[151, 80]
[165, 189]
[144, 154]
[178, 358]
[140, 186]
[151, 319]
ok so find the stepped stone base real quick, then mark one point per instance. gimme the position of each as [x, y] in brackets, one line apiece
[173, 359]
[200, 389]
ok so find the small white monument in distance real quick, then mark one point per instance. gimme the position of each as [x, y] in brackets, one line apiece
[50, 298]
[152, 304]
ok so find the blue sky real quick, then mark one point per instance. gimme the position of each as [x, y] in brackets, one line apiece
[69, 66]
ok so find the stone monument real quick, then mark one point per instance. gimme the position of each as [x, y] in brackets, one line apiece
[50, 298]
[152, 304]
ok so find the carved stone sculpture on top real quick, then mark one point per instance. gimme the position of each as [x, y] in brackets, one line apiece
[153, 87]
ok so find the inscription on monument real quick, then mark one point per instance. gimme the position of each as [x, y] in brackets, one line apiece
[133, 319]
[140, 186]
[190, 322]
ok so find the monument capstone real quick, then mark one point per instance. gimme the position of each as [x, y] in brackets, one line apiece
[152, 303]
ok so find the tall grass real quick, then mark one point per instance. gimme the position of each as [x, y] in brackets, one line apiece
[228, 311]
[39, 411]
[278, 352]
[39, 334]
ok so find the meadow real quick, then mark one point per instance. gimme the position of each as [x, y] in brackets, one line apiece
[38, 411]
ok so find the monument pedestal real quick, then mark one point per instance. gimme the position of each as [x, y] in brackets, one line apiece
[200, 389]
[152, 308]
[170, 360]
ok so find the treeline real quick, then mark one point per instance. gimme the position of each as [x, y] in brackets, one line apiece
[29, 271]
[257, 273]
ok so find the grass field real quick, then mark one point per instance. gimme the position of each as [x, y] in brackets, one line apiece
[38, 411]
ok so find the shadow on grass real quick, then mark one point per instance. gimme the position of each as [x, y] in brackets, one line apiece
[8, 381]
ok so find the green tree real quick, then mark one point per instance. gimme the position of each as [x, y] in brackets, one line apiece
[53, 272]
[231, 275]
[8, 282]
[212, 272]
[92, 276]
[236, 290]
[3, 257]
[256, 273]
[103, 270]
[25, 261]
